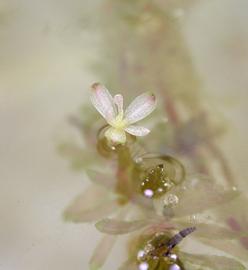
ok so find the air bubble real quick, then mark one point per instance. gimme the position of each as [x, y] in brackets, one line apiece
[171, 200]
[148, 193]
[175, 267]
[148, 248]
[193, 219]
[173, 257]
[141, 254]
[138, 160]
[144, 266]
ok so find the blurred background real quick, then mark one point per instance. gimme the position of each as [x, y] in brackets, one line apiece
[47, 50]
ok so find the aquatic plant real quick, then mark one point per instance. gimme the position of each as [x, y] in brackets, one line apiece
[152, 195]
[175, 178]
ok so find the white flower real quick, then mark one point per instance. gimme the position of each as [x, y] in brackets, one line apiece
[120, 121]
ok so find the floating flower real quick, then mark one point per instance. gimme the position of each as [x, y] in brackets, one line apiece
[120, 121]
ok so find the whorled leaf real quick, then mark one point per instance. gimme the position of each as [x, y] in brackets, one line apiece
[233, 248]
[235, 214]
[211, 231]
[103, 179]
[92, 205]
[79, 157]
[114, 226]
[209, 262]
[197, 195]
[128, 265]
[144, 202]
[102, 252]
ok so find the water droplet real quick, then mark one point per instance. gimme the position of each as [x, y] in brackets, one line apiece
[171, 200]
[138, 160]
[193, 219]
[141, 254]
[173, 257]
[148, 248]
[175, 267]
[148, 193]
[144, 266]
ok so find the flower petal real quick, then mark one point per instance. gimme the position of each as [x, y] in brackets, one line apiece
[102, 251]
[114, 226]
[142, 106]
[117, 136]
[118, 99]
[103, 101]
[137, 131]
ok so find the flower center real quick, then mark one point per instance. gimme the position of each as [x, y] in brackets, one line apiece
[119, 122]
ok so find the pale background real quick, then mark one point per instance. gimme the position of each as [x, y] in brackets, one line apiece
[44, 75]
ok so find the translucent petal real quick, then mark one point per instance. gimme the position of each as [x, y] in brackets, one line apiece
[93, 204]
[119, 102]
[103, 101]
[102, 252]
[196, 262]
[114, 226]
[117, 136]
[137, 131]
[142, 106]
